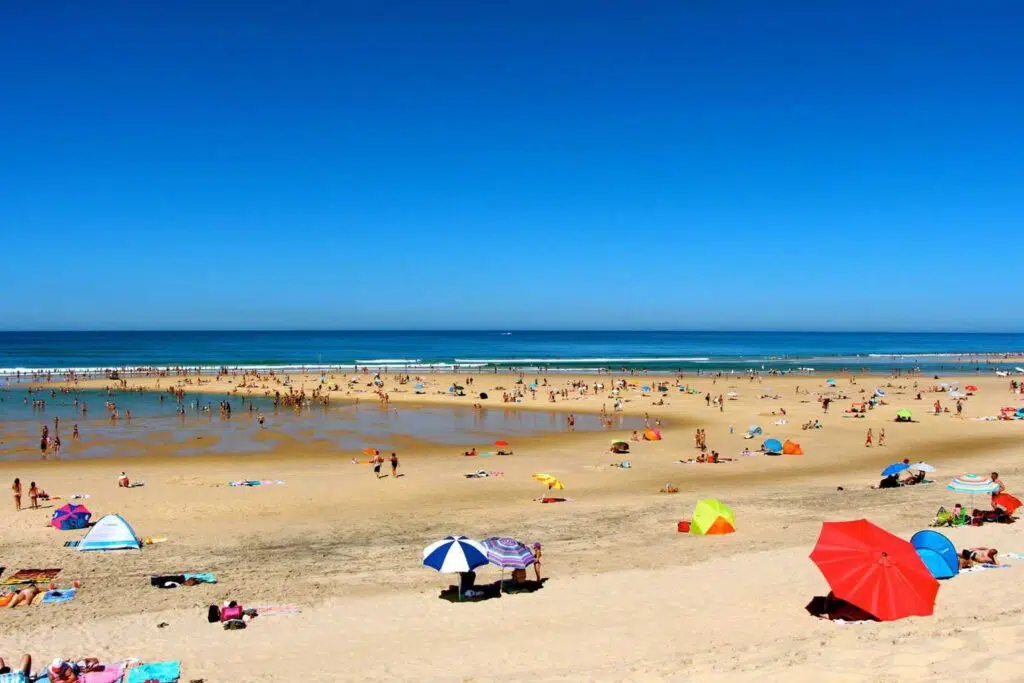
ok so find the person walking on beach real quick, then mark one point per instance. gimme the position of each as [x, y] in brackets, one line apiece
[376, 461]
[707, 399]
[16, 490]
[881, 438]
[572, 422]
[536, 561]
[721, 404]
[74, 432]
[394, 465]
[867, 441]
[33, 494]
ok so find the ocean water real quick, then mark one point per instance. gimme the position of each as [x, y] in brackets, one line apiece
[484, 350]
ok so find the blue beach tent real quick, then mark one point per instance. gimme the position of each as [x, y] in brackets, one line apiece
[937, 553]
[773, 446]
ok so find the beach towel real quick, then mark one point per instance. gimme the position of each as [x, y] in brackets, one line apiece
[1014, 556]
[162, 672]
[984, 567]
[71, 544]
[175, 580]
[62, 595]
[272, 610]
[30, 576]
[112, 673]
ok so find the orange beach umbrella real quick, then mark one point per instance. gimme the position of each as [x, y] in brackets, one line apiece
[501, 443]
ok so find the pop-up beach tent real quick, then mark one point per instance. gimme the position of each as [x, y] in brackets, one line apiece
[112, 532]
[937, 552]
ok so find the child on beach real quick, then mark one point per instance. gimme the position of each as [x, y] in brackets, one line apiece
[16, 489]
[867, 441]
[394, 465]
[33, 494]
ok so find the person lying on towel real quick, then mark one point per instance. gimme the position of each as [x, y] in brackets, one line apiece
[972, 556]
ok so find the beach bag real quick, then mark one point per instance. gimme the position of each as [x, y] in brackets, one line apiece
[229, 613]
[943, 518]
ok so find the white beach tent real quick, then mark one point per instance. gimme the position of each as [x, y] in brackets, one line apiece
[112, 532]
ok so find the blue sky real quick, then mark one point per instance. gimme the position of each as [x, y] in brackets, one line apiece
[677, 164]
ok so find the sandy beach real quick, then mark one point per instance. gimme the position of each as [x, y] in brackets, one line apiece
[628, 598]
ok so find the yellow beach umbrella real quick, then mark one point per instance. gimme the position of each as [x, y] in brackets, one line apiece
[552, 482]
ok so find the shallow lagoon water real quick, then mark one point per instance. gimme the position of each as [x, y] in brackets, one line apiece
[344, 427]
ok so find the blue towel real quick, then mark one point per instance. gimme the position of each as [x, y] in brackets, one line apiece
[205, 577]
[165, 672]
[63, 595]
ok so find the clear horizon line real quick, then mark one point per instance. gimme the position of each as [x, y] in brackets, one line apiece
[296, 330]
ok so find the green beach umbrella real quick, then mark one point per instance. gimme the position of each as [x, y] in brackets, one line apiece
[904, 413]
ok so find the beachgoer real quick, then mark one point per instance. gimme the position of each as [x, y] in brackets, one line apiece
[394, 465]
[998, 482]
[74, 432]
[260, 419]
[16, 489]
[122, 481]
[56, 445]
[571, 420]
[536, 560]
[890, 482]
[61, 671]
[377, 462]
[19, 675]
[33, 495]
[881, 438]
[972, 556]
[24, 596]
[867, 441]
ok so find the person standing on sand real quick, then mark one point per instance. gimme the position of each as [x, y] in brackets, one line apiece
[881, 437]
[867, 441]
[56, 446]
[536, 561]
[33, 494]
[74, 432]
[16, 490]
[377, 461]
[572, 422]
[394, 465]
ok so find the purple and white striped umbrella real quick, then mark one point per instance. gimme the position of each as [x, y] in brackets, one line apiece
[508, 553]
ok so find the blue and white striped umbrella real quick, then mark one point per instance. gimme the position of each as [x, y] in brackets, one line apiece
[973, 483]
[455, 554]
[508, 553]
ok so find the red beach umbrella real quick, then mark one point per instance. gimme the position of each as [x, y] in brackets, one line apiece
[971, 387]
[868, 567]
[501, 443]
[1007, 502]
[370, 451]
